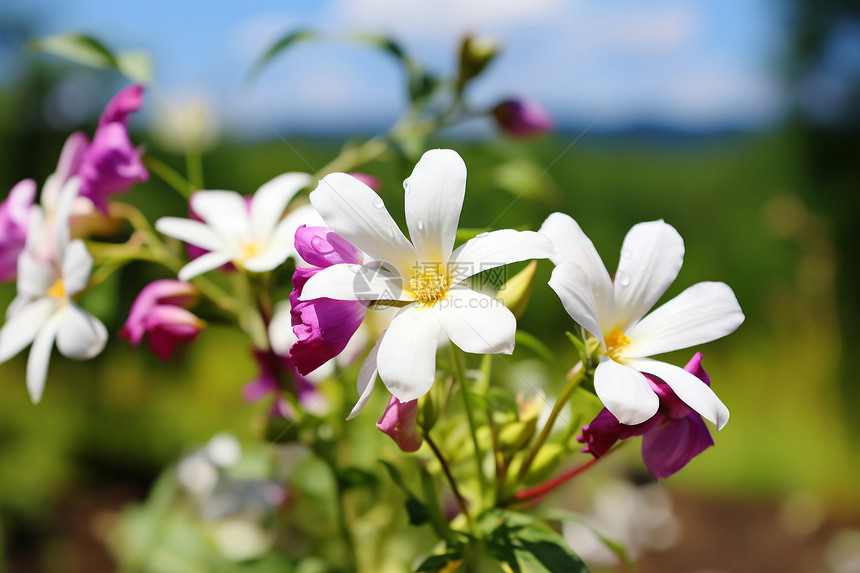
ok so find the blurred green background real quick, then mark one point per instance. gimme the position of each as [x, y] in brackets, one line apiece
[770, 211]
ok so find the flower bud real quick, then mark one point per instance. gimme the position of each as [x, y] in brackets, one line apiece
[522, 118]
[515, 293]
[545, 463]
[475, 55]
[514, 436]
[158, 312]
[399, 422]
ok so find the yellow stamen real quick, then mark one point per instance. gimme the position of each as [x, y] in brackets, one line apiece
[429, 286]
[249, 251]
[57, 290]
[616, 342]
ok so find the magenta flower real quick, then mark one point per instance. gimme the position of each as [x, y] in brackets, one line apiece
[323, 326]
[522, 118]
[159, 313]
[674, 436]
[277, 373]
[14, 221]
[111, 164]
[399, 422]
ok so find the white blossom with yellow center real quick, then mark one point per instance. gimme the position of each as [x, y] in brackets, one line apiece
[44, 310]
[613, 311]
[252, 235]
[426, 274]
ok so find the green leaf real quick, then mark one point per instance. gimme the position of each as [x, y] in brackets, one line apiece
[78, 48]
[275, 49]
[355, 477]
[421, 85]
[527, 545]
[436, 563]
[136, 66]
[417, 510]
[579, 345]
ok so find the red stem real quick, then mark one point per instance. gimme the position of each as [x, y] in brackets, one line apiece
[546, 487]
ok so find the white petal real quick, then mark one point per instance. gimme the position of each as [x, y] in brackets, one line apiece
[34, 276]
[692, 391]
[23, 326]
[434, 198]
[651, 256]
[81, 335]
[271, 200]
[267, 260]
[355, 212]
[281, 244]
[407, 353]
[570, 282]
[704, 312]
[65, 204]
[40, 356]
[354, 282]
[573, 246]
[476, 322]
[225, 212]
[189, 231]
[202, 264]
[494, 249]
[367, 378]
[281, 335]
[625, 392]
[77, 264]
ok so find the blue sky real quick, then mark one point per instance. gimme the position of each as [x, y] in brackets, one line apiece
[697, 64]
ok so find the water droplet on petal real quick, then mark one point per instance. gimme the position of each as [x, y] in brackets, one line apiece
[623, 279]
[626, 254]
[390, 232]
[420, 225]
[481, 235]
[378, 203]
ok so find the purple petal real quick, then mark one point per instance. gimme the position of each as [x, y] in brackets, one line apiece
[14, 222]
[522, 118]
[110, 165]
[369, 180]
[322, 247]
[323, 326]
[669, 448]
[122, 105]
[155, 314]
[399, 422]
[602, 433]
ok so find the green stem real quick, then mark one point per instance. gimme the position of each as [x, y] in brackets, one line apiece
[572, 384]
[168, 175]
[460, 376]
[330, 460]
[458, 497]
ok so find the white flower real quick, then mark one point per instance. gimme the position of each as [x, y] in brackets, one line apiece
[252, 237]
[613, 311]
[427, 276]
[44, 311]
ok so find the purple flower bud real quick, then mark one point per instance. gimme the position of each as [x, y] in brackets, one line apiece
[399, 422]
[674, 436]
[14, 222]
[158, 312]
[111, 164]
[276, 370]
[522, 118]
[369, 180]
[323, 326]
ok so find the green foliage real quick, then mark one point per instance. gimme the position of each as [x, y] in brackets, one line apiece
[87, 50]
[526, 544]
[284, 43]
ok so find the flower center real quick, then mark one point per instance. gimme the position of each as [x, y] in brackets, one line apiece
[249, 251]
[616, 342]
[429, 286]
[57, 290]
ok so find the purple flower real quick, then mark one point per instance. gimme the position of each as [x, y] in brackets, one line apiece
[522, 118]
[158, 312]
[110, 163]
[276, 373]
[14, 221]
[399, 422]
[674, 436]
[323, 326]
